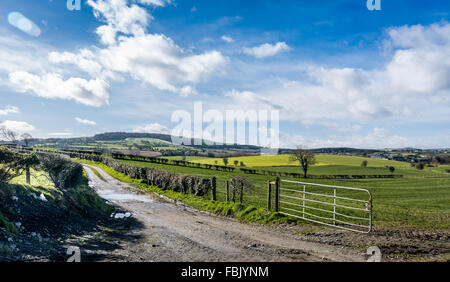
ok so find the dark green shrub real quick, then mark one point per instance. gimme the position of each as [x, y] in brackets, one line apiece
[62, 171]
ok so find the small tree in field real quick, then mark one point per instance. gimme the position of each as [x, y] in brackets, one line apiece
[236, 162]
[391, 169]
[26, 139]
[364, 163]
[225, 161]
[306, 158]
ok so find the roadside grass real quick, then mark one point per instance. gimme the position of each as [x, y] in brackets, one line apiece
[245, 213]
[418, 200]
[97, 174]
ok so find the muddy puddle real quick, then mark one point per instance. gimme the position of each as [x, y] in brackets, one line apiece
[113, 195]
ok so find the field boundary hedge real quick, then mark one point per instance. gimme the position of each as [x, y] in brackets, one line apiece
[96, 156]
[325, 176]
[164, 180]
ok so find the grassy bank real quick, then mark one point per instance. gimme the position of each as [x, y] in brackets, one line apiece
[41, 202]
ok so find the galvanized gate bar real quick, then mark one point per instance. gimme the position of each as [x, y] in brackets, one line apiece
[288, 207]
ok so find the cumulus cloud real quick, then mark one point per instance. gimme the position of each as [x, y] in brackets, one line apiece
[333, 125]
[9, 110]
[130, 51]
[151, 128]
[267, 50]
[85, 121]
[119, 18]
[85, 60]
[227, 39]
[413, 84]
[250, 98]
[157, 60]
[17, 126]
[52, 85]
[377, 138]
[155, 2]
[61, 134]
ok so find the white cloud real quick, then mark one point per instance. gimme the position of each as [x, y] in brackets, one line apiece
[157, 60]
[161, 3]
[227, 39]
[85, 60]
[85, 121]
[21, 54]
[413, 84]
[9, 110]
[130, 51]
[120, 18]
[333, 125]
[17, 126]
[61, 134]
[51, 85]
[151, 128]
[377, 138]
[267, 50]
[187, 91]
[246, 98]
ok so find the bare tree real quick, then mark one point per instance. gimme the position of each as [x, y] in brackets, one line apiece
[8, 135]
[305, 157]
[239, 185]
[26, 138]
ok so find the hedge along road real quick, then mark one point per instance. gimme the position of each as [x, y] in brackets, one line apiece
[175, 232]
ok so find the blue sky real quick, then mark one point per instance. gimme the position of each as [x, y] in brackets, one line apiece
[340, 75]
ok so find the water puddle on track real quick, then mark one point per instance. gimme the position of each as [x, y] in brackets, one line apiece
[113, 195]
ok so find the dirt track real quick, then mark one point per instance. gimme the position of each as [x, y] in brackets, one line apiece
[159, 230]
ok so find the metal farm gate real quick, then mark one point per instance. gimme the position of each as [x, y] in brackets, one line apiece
[341, 207]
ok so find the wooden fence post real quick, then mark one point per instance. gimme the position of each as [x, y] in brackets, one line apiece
[269, 196]
[277, 195]
[241, 194]
[228, 191]
[28, 175]
[213, 188]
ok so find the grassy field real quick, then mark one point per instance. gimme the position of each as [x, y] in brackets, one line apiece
[188, 158]
[419, 199]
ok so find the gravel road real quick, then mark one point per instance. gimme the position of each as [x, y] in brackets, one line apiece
[160, 230]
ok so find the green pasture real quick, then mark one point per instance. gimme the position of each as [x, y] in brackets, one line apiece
[420, 199]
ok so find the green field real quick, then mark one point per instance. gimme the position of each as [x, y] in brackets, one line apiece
[420, 199]
[283, 160]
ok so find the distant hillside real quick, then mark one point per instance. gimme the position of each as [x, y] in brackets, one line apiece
[118, 136]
